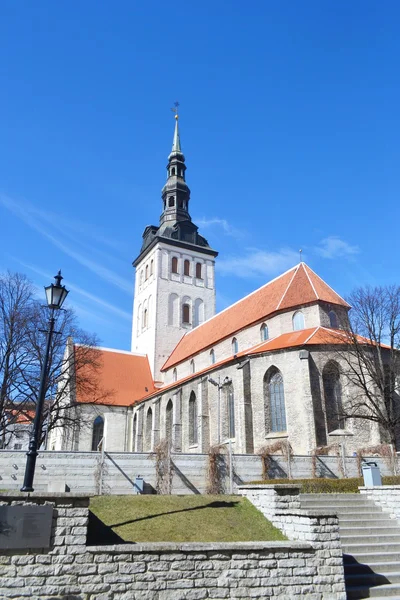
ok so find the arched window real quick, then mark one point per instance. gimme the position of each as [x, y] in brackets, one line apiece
[186, 267]
[174, 264]
[235, 346]
[275, 411]
[231, 412]
[134, 433]
[192, 419]
[151, 267]
[173, 310]
[173, 171]
[198, 270]
[264, 332]
[149, 426]
[192, 366]
[145, 318]
[185, 313]
[333, 320]
[171, 201]
[174, 375]
[212, 356]
[298, 321]
[169, 421]
[333, 397]
[98, 432]
[141, 276]
[146, 272]
[198, 313]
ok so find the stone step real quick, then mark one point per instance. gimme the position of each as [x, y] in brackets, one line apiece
[345, 523]
[371, 579]
[380, 591]
[371, 566]
[371, 557]
[360, 532]
[357, 549]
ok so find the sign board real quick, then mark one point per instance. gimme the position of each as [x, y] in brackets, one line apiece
[25, 527]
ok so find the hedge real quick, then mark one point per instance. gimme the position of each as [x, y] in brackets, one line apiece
[348, 485]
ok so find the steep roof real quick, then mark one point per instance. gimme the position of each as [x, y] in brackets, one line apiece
[122, 379]
[298, 286]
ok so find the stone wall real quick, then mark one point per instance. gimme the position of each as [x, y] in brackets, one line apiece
[162, 571]
[386, 497]
[84, 471]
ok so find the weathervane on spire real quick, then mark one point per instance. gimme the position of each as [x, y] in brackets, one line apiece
[175, 110]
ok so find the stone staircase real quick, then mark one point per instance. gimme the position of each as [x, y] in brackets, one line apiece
[370, 541]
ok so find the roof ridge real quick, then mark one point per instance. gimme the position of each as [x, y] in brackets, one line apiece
[288, 286]
[327, 284]
[311, 283]
[116, 350]
[237, 302]
[312, 334]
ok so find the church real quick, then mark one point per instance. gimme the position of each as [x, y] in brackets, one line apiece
[261, 371]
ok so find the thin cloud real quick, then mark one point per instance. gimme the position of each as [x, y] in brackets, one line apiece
[334, 247]
[258, 263]
[227, 228]
[34, 219]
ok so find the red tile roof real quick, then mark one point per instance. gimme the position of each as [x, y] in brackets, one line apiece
[122, 379]
[298, 286]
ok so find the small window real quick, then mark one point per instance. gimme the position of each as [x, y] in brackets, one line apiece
[298, 321]
[151, 267]
[174, 266]
[146, 272]
[333, 320]
[17, 446]
[145, 318]
[235, 346]
[174, 375]
[192, 419]
[173, 171]
[212, 356]
[141, 277]
[192, 366]
[198, 270]
[171, 201]
[98, 431]
[264, 332]
[186, 267]
[185, 313]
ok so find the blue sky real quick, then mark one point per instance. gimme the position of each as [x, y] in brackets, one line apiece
[289, 124]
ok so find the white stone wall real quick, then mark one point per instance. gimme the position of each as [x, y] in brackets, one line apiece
[386, 497]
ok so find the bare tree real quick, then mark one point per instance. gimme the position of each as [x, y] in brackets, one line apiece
[23, 326]
[369, 352]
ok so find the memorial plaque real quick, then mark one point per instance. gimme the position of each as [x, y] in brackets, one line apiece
[25, 527]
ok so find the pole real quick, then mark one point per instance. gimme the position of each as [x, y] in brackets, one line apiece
[33, 442]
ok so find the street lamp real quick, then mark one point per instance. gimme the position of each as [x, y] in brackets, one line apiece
[55, 295]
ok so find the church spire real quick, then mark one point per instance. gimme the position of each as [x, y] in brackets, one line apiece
[175, 193]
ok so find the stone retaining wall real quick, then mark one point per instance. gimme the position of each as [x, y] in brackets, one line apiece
[85, 472]
[387, 497]
[164, 571]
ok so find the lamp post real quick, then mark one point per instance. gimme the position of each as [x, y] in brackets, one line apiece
[55, 296]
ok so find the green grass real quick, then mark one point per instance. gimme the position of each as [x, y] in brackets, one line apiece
[330, 486]
[180, 519]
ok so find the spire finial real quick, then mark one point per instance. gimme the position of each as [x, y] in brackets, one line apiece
[301, 257]
[176, 144]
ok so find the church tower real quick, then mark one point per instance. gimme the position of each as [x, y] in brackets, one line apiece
[175, 272]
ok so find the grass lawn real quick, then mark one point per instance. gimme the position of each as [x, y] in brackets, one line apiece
[182, 519]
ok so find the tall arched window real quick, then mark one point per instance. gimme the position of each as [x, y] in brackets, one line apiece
[192, 366]
[186, 267]
[146, 272]
[171, 201]
[151, 267]
[231, 412]
[185, 313]
[333, 397]
[145, 318]
[98, 432]
[174, 375]
[264, 332]
[333, 320]
[275, 412]
[173, 310]
[198, 312]
[198, 270]
[169, 421]
[173, 171]
[298, 321]
[235, 346]
[134, 433]
[149, 426]
[174, 264]
[192, 419]
[212, 356]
